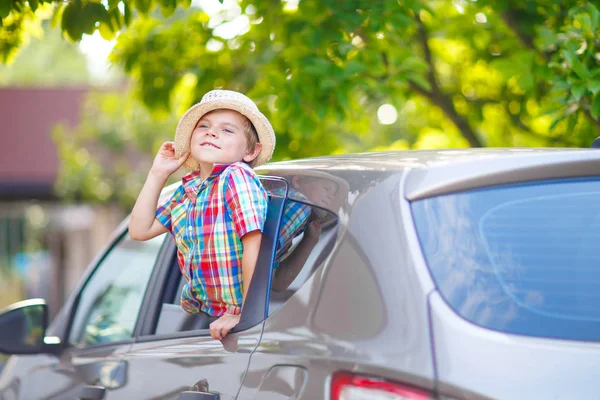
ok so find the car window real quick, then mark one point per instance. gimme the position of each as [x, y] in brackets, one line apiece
[519, 259]
[306, 237]
[171, 318]
[110, 301]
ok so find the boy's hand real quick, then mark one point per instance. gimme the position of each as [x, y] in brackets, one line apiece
[313, 230]
[165, 161]
[221, 327]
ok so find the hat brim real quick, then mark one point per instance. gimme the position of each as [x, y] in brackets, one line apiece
[187, 123]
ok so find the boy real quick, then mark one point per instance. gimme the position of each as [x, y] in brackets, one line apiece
[217, 214]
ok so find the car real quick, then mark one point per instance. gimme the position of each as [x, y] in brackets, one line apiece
[448, 274]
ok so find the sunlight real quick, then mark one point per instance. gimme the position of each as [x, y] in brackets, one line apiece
[97, 49]
[387, 114]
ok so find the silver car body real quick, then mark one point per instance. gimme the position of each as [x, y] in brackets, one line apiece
[371, 308]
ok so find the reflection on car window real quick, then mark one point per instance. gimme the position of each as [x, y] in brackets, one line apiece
[527, 258]
[307, 229]
[111, 299]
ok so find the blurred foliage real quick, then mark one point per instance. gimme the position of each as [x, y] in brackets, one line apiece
[460, 73]
[46, 60]
[106, 157]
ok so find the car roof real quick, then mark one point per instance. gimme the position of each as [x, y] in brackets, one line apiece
[434, 172]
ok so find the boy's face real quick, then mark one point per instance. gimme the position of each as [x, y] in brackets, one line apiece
[219, 138]
[320, 191]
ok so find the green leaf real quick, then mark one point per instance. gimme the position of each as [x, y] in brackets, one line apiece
[413, 64]
[115, 20]
[526, 81]
[33, 4]
[420, 81]
[106, 31]
[143, 6]
[92, 13]
[594, 87]
[556, 122]
[127, 14]
[57, 15]
[547, 36]
[112, 4]
[5, 7]
[595, 16]
[595, 109]
[167, 7]
[71, 21]
[579, 68]
[560, 85]
[578, 90]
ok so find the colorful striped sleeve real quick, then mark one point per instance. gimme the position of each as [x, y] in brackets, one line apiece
[246, 200]
[163, 211]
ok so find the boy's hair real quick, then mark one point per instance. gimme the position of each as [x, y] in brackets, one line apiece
[251, 134]
[251, 137]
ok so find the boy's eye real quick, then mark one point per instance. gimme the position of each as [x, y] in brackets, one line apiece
[227, 130]
[203, 126]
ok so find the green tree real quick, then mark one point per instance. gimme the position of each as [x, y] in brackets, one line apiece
[461, 73]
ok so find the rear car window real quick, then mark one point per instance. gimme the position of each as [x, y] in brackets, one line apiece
[521, 259]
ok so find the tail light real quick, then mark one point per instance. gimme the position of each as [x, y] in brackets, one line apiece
[347, 386]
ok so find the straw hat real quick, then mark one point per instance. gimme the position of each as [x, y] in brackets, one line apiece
[230, 100]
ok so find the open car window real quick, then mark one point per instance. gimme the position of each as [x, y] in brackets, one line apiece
[299, 234]
[171, 319]
[110, 301]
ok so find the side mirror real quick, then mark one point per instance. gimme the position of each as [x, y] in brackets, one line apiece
[23, 328]
[596, 143]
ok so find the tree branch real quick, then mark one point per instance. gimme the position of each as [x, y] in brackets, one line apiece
[436, 96]
[510, 20]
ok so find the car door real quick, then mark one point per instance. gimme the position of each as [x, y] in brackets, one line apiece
[100, 321]
[171, 360]
[278, 366]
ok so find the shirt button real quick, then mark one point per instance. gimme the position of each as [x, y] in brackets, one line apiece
[190, 228]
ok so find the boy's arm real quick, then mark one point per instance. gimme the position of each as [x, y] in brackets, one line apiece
[143, 224]
[251, 242]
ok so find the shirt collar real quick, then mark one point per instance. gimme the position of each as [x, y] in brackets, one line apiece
[192, 181]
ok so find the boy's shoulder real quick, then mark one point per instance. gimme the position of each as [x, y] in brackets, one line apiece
[239, 167]
[239, 172]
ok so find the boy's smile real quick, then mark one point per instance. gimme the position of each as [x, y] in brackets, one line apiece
[209, 145]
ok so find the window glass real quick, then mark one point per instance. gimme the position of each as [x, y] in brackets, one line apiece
[306, 235]
[520, 259]
[111, 299]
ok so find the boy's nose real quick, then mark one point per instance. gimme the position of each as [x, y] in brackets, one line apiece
[210, 132]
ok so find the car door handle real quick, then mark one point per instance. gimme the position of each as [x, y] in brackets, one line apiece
[92, 393]
[198, 396]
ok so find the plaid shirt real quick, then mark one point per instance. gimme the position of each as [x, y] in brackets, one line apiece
[208, 219]
[293, 222]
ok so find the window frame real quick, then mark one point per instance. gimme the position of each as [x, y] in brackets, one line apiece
[325, 247]
[158, 265]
